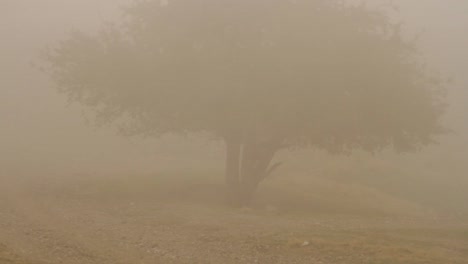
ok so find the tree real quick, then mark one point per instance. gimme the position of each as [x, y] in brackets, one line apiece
[261, 75]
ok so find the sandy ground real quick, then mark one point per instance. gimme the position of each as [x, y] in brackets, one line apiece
[114, 221]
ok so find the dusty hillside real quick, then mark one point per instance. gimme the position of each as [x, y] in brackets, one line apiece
[148, 220]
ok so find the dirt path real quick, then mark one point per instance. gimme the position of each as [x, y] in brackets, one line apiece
[53, 225]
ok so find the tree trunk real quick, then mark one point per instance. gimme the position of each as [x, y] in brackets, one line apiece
[255, 168]
[248, 176]
[233, 152]
[247, 164]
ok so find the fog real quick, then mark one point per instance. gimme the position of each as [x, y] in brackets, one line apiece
[40, 129]
[43, 135]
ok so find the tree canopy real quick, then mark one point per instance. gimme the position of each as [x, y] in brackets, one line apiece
[319, 73]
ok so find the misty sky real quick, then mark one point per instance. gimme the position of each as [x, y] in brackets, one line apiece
[39, 130]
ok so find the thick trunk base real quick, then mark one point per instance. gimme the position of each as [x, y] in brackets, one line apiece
[247, 164]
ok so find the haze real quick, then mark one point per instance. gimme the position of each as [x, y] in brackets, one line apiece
[54, 164]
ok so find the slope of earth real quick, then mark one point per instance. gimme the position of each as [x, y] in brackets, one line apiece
[163, 220]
